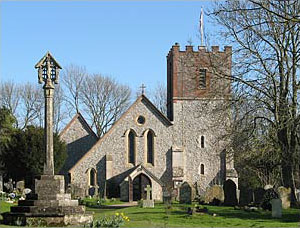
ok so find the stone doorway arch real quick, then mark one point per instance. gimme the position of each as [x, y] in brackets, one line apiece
[139, 184]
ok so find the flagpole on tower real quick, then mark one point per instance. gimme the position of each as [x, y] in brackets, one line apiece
[201, 26]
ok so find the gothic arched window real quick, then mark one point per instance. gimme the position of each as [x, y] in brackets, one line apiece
[150, 147]
[131, 147]
[92, 177]
[202, 141]
[202, 169]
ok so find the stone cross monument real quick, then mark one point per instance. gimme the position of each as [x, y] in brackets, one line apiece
[48, 204]
[148, 202]
[48, 73]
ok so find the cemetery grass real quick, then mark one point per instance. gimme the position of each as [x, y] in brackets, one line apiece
[177, 217]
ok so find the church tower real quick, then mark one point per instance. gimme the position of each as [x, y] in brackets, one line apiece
[198, 95]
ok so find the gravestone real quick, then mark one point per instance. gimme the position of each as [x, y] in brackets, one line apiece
[186, 193]
[230, 197]
[246, 196]
[215, 192]
[276, 208]
[1, 182]
[167, 197]
[9, 186]
[259, 195]
[268, 186]
[297, 191]
[20, 186]
[148, 202]
[285, 196]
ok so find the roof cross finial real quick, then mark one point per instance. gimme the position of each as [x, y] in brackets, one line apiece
[143, 87]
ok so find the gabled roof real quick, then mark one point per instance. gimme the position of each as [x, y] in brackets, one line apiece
[138, 100]
[48, 54]
[78, 116]
[146, 171]
[143, 97]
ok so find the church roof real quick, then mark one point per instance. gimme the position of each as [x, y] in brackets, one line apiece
[78, 116]
[138, 100]
[146, 171]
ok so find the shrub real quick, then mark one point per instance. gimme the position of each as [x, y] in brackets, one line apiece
[268, 196]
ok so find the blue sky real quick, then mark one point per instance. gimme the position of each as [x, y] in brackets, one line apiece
[126, 40]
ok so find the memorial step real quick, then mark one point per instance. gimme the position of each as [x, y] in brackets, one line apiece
[51, 203]
[48, 209]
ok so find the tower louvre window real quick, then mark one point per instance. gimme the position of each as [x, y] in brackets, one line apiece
[202, 78]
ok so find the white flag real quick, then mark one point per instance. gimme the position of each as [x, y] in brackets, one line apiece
[201, 26]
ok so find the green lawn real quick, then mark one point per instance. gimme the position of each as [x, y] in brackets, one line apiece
[177, 217]
[93, 201]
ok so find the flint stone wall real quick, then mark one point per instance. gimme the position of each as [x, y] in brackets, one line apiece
[79, 140]
[114, 143]
[193, 119]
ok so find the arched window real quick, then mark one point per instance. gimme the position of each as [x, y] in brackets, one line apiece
[92, 177]
[202, 169]
[150, 147]
[202, 141]
[131, 147]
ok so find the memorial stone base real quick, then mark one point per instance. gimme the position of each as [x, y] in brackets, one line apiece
[148, 203]
[48, 206]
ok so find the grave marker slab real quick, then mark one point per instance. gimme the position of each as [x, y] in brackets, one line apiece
[276, 208]
[1, 183]
[186, 193]
[285, 196]
[214, 192]
[148, 202]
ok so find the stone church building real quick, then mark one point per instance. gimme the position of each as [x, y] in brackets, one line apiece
[145, 147]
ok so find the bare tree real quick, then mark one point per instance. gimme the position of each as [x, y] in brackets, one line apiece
[72, 79]
[31, 104]
[60, 112]
[104, 101]
[10, 97]
[266, 38]
[159, 97]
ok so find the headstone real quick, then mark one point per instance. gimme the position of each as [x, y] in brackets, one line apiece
[229, 188]
[20, 185]
[276, 208]
[258, 195]
[166, 197]
[297, 191]
[285, 196]
[148, 202]
[268, 186]
[9, 186]
[246, 196]
[214, 192]
[1, 183]
[185, 193]
[26, 191]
